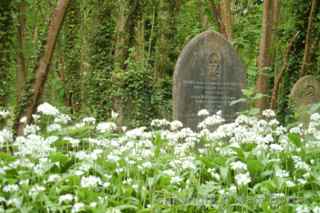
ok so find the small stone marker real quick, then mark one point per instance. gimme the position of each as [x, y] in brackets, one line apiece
[305, 92]
[208, 75]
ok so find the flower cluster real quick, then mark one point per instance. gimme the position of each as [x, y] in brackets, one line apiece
[62, 165]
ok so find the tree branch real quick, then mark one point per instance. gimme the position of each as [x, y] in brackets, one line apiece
[43, 66]
[308, 42]
[279, 77]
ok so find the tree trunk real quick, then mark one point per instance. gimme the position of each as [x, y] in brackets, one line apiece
[72, 57]
[162, 42]
[203, 17]
[165, 51]
[279, 76]
[217, 17]
[21, 61]
[120, 57]
[168, 12]
[140, 41]
[5, 47]
[226, 17]
[43, 65]
[128, 25]
[121, 36]
[100, 83]
[275, 40]
[308, 41]
[133, 17]
[265, 55]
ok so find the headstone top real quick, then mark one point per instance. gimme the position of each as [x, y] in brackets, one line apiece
[305, 92]
[208, 75]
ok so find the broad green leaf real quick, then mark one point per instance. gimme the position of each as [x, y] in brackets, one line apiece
[295, 139]
[254, 166]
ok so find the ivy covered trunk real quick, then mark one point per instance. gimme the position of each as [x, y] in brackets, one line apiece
[166, 55]
[72, 77]
[128, 74]
[101, 60]
[6, 24]
[121, 46]
[21, 74]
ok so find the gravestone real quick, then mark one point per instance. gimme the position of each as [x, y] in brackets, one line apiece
[305, 92]
[208, 75]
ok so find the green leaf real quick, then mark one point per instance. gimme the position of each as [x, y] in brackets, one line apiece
[259, 96]
[7, 157]
[225, 174]
[295, 139]
[248, 92]
[58, 157]
[240, 153]
[124, 207]
[254, 166]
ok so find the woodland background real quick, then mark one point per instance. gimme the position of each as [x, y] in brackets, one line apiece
[120, 54]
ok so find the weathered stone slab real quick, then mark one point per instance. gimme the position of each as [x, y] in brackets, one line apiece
[208, 75]
[305, 92]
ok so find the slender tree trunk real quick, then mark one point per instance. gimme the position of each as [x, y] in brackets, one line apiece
[120, 57]
[6, 20]
[226, 17]
[121, 36]
[308, 41]
[150, 42]
[133, 17]
[21, 61]
[162, 43]
[203, 17]
[43, 65]
[276, 8]
[265, 55]
[222, 16]
[168, 12]
[140, 41]
[280, 74]
[84, 47]
[217, 17]
[275, 20]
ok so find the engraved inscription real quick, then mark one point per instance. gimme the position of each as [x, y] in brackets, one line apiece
[214, 61]
[210, 95]
[309, 91]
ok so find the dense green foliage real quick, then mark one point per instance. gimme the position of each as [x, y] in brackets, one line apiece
[120, 55]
